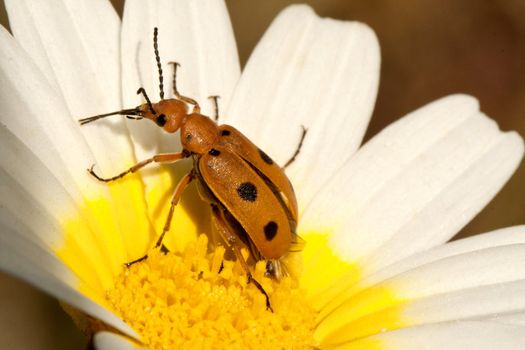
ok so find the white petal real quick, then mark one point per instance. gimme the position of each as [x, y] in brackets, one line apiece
[497, 238]
[415, 184]
[66, 36]
[42, 269]
[449, 335]
[503, 237]
[31, 204]
[29, 189]
[112, 341]
[480, 302]
[196, 34]
[468, 270]
[55, 139]
[477, 284]
[76, 44]
[319, 73]
[517, 319]
[30, 194]
[17, 241]
[33, 112]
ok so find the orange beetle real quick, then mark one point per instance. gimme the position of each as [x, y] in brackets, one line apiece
[253, 202]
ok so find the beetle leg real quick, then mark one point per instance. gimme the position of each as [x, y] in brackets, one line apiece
[231, 239]
[179, 190]
[188, 100]
[299, 146]
[215, 99]
[159, 158]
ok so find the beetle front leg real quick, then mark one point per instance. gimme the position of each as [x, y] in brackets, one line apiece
[158, 158]
[231, 239]
[215, 99]
[179, 190]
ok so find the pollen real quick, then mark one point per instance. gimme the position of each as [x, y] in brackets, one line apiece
[199, 300]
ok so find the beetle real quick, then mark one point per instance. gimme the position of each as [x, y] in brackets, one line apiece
[252, 200]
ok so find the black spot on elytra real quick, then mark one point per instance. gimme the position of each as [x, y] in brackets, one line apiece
[266, 158]
[161, 120]
[214, 152]
[247, 191]
[225, 132]
[270, 230]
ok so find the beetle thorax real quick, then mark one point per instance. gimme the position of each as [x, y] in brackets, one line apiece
[198, 133]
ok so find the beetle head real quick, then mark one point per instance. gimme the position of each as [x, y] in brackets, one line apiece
[167, 114]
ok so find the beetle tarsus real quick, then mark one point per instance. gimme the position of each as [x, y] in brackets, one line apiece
[261, 289]
[94, 174]
[163, 250]
[129, 264]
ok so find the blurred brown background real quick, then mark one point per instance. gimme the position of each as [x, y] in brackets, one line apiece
[430, 48]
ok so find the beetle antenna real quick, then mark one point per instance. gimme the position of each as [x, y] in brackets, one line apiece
[157, 58]
[126, 112]
[143, 92]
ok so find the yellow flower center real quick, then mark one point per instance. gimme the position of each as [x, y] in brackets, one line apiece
[198, 299]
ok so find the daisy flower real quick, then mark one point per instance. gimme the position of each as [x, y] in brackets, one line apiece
[375, 272]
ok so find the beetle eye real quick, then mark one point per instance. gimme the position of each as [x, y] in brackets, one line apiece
[161, 120]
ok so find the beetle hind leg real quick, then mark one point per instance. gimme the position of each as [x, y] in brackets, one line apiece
[232, 239]
[298, 149]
